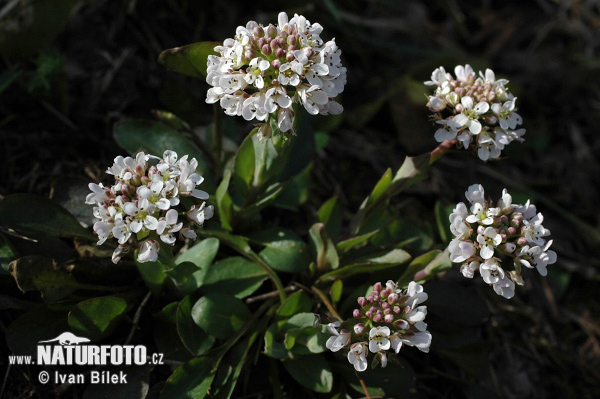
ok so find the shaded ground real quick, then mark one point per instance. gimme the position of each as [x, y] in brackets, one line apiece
[102, 68]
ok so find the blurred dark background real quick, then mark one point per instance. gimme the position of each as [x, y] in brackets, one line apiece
[71, 69]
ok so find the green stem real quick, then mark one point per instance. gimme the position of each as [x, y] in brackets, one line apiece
[441, 149]
[327, 303]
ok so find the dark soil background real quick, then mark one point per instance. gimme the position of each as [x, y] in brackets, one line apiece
[59, 99]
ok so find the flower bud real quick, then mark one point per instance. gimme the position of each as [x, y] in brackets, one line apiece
[377, 286]
[289, 57]
[401, 324]
[266, 49]
[369, 314]
[397, 309]
[378, 318]
[291, 48]
[385, 305]
[261, 42]
[387, 311]
[480, 229]
[459, 108]
[511, 230]
[136, 180]
[291, 40]
[362, 301]
[280, 53]
[389, 318]
[145, 179]
[276, 64]
[356, 313]
[370, 298]
[272, 31]
[274, 44]
[503, 236]
[359, 328]
[258, 31]
[509, 247]
[375, 295]
[522, 241]
[491, 97]
[384, 294]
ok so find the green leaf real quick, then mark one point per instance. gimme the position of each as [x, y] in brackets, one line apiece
[183, 274]
[193, 337]
[70, 193]
[295, 192]
[154, 274]
[336, 291]
[39, 324]
[284, 250]
[347, 245]
[413, 170]
[96, 318]
[7, 254]
[38, 273]
[191, 380]
[155, 138]
[269, 195]
[189, 60]
[243, 169]
[166, 336]
[312, 372]
[224, 201]
[426, 266]
[202, 255]
[231, 368]
[31, 214]
[330, 214]
[235, 275]
[443, 222]
[274, 347]
[296, 303]
[322, 248]
[267, 164]
[369, 264]
[220, 315]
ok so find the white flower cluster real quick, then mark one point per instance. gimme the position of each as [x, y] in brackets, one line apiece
[487, 235]
[263, 70]
[401, 322]
[143, 206]
[482, 112]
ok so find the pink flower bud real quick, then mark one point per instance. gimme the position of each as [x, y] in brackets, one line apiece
[480, 229]
[272, 31]
[289, 57]
[359, 328]
[397, 309]
[266, 49]
[378, 318]
[401, 324]
[291, 48]
[459, 108]
[375, 295]
[392, 298]
[492, 96]
[370, 298]
[373, 309]
[389, 318]
[369, 314]
[280, 53]
[511, 230]
[274, 45]
[522, 241]
[387, 311]
[385, 305]
[276, 64]
[356, 313]
[261, 42]
[377, 286]
[362, 301]
[291, 40]
[503, 236]
[258, 31]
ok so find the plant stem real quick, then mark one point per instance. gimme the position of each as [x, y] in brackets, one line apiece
[441, 149]
[364, 386]
[327, 303]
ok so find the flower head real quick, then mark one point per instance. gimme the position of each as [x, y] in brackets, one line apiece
[143, 206]
[264, 69]
[490, 238]
[477, 111]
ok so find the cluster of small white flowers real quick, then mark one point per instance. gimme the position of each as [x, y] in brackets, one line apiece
[482, 112]
[263, 70]
[143, 206]
[399, 319]
[487, 235]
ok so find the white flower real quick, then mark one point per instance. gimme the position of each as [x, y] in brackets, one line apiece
[460, 250]
[396, 343]
[338, 340]
[447, 132]
[416, 317]
[438, 76]
[507, 118]
[436, 104]
[148, 251]
[534, 231]
[458, 226]
[475, 193]
[290, 72]
[468, 117]
[254, 72]
[506, 200]
[312, 97]
[98, 194]
[167, 226]
[420, 339]
[103, 230]
[468, 269]
[537, 257]
[481, 213]
[505, 287]
[488, 241]
[379, 339]
[488, 147]
[491, 271]
[357, 356]
[121, 230]
[285, 119]
[464, 73]
[200, 213]
[416, 294]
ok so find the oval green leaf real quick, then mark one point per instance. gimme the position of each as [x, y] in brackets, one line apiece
[236, 276]
[189, 60]
[312, 371]
[155, 138]
[220, 314]
[284, 250]
[193, 337]
[97, 317]
[192, 380]
[31, 214]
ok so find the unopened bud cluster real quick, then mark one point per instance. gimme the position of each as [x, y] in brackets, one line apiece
[387, 318]
[478, 111]
[491, 239]
[143, 206]
[264, 69]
